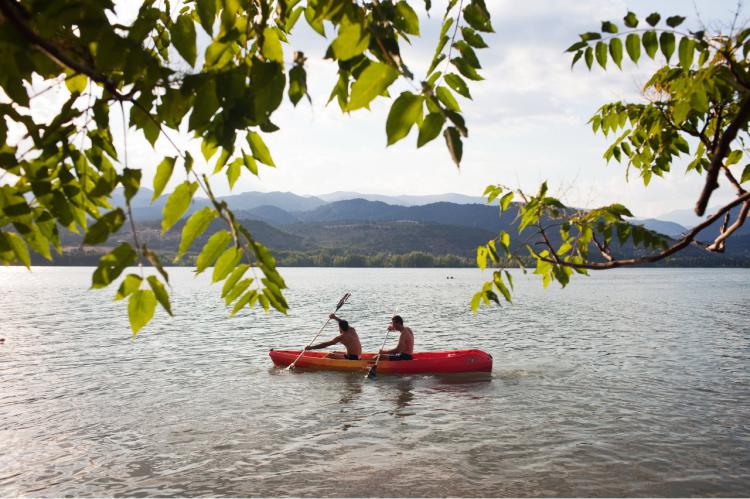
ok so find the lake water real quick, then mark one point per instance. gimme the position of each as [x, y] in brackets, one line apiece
[631, 382]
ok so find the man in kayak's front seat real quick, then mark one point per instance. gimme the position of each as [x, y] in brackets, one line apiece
[347, 337]
[405, 346]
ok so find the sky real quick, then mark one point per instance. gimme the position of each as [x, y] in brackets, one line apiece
[527, 120]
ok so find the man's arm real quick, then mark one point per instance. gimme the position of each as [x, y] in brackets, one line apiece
[399, 348]
[328, 343]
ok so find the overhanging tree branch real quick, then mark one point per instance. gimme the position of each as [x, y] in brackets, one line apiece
[680, 244]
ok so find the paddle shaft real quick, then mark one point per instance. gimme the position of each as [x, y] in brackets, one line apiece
[374, 368]
[343, 300]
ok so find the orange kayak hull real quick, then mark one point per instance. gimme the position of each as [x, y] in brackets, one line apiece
[447, 362]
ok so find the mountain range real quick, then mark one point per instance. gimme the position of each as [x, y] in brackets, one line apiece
[342, 224]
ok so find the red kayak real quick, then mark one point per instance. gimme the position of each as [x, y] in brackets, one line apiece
[452, 361]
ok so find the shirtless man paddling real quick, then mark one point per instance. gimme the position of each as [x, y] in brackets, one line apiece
[347, 337]
[405, 346]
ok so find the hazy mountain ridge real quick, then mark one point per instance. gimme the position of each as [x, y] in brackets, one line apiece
[362, 227]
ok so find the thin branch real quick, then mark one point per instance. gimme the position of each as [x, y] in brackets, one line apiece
[453, 38]
[603, 248]
[724, 232]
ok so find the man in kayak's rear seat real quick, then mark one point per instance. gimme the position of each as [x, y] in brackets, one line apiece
[347, 337]
[405, 346]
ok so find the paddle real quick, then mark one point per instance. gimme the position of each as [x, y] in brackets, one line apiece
[373, 371]
[338, 306]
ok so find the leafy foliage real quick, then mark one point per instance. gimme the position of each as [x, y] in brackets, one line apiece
[63, 171]
[697, 107]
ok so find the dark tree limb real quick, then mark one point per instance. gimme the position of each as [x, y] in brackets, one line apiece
[719, 153]
[13, 14]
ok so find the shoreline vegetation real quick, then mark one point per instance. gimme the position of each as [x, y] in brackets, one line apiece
[89, 257]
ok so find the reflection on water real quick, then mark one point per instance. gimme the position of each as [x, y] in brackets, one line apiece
[626, 383]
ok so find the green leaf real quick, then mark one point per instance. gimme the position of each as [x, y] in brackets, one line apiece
[473, 38]
[466, 69]
[76, 84]
[745, 174]
[206, 104]
[177, 204]
[131, 182]
[674, 21]
[259, 148]
[141, 307]
[233, 171]
[249, 297]
[430, 128]
[406, 19]
[237, 290]
[207, 14]
[633, 47]
[268, 80]
[297, 84]
[475, 300]
[576, 58]
[272, 50]
[601, 54]
[631, 20]
[468, 54]
[667, 42]
[405, 112]
[160, 292]
[226, 263]
[183, 37]
[615, 50]
[453, 141]
[446, 97]
[650, 43]
[733, 157]
[10, 242]
[112, 264]
[153, 259]
[194, 227]
[577, 46]
[250, 163]
[591, 35]
[373, 81]
[505, 200]
[686, 51]
[589, 57]
[653, 18]
[478, 17]
[106, 225]
[131, 283]
[608, 27]
[162, 176]
[458, 84]
[218, 54]
[211, 251]
[237, 273]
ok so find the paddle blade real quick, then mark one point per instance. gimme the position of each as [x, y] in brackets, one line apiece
[342, 301]
[372, 373]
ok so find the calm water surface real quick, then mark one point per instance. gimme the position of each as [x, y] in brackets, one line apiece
[633, 382]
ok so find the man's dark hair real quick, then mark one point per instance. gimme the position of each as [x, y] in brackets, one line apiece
[398, 320]
[344, 325]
